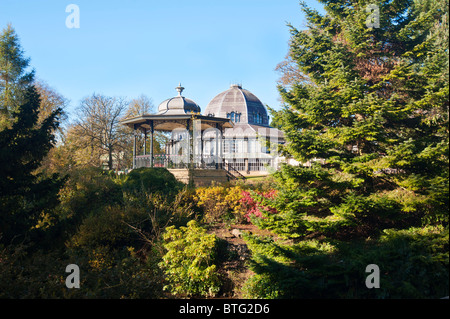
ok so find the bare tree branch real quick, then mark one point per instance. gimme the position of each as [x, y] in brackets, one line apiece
[99, 119]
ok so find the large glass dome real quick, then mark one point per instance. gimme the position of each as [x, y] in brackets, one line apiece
[239, 105]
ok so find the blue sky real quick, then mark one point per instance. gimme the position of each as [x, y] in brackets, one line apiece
[128, 48]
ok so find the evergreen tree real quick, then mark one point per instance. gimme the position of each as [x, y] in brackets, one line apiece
[14, 76]
[368, 118]
[375, 114]
[26, 196]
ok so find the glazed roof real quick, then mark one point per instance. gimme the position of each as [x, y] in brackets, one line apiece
[241, 101]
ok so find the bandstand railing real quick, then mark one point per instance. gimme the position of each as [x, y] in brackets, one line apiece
[179, 161]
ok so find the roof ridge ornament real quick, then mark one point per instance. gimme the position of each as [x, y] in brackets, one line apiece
[179, 89]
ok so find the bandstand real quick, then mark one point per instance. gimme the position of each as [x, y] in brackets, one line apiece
[188, 131]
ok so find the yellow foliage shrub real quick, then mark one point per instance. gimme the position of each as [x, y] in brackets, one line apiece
[219, 202]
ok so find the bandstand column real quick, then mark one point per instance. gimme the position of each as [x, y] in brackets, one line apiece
[217, 146]
[145, 141]
[134, 146]
[190, 144]
[201, 149]
[151, 143]
[222, 145]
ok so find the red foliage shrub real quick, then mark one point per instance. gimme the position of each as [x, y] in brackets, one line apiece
[253, 205]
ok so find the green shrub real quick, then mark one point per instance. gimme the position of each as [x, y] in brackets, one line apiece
[161, 211]
[189, 262]
[86, 191]
[414, 263]
[109, 227]
[152, 180]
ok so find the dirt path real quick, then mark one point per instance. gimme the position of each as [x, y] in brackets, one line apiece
[234, 266]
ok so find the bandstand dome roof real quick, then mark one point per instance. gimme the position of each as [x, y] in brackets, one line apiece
[178, 105]
[240, 101]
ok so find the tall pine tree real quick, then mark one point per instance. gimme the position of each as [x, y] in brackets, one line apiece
[14, 76]
[25, 139]
[25, 195]
[375, 115]
[368, 118]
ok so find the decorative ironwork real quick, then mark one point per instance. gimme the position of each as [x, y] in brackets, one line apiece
[179, 161]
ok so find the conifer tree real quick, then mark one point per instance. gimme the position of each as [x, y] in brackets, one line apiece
[373, 119]
[14, 77]
[24, 194]
[367, 116]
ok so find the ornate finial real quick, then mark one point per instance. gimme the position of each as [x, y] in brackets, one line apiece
[179, 89]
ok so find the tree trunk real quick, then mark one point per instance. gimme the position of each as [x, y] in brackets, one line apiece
[110, 159]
